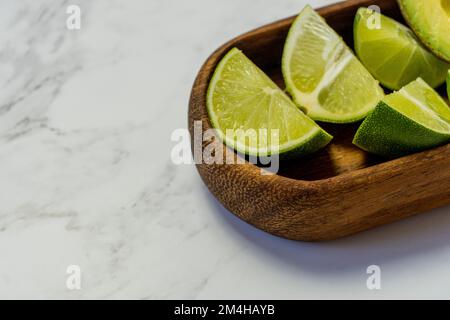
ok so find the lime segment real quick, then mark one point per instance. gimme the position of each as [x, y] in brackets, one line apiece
[393, 54]
[410, 120]
[430, 20]
[254, 116]
[322, 74]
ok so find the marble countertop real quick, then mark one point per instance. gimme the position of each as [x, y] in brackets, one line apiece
[86, 117]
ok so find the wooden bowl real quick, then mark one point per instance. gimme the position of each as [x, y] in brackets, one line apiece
[336, 192]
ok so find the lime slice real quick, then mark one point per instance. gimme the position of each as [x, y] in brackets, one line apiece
[430, 20]
[323, 75]
[410, 120]
[393, 54]
[254, 116]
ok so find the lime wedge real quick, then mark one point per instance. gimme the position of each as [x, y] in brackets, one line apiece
[254, 116]
[410, 120]
[323, 75]
[430, 20]
[393, 54]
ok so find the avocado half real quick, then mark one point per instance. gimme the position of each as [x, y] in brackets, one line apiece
[430, 20]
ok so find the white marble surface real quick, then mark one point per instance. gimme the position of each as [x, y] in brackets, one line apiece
[86, 176]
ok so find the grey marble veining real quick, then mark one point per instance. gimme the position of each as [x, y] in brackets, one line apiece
[86, 177]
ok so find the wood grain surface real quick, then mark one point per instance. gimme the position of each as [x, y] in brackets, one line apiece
[336, 192]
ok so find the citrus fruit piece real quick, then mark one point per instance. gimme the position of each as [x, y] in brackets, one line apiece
[410, 120]
[430, 20]
[393, 54]
[254, 116]
[323, 75]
